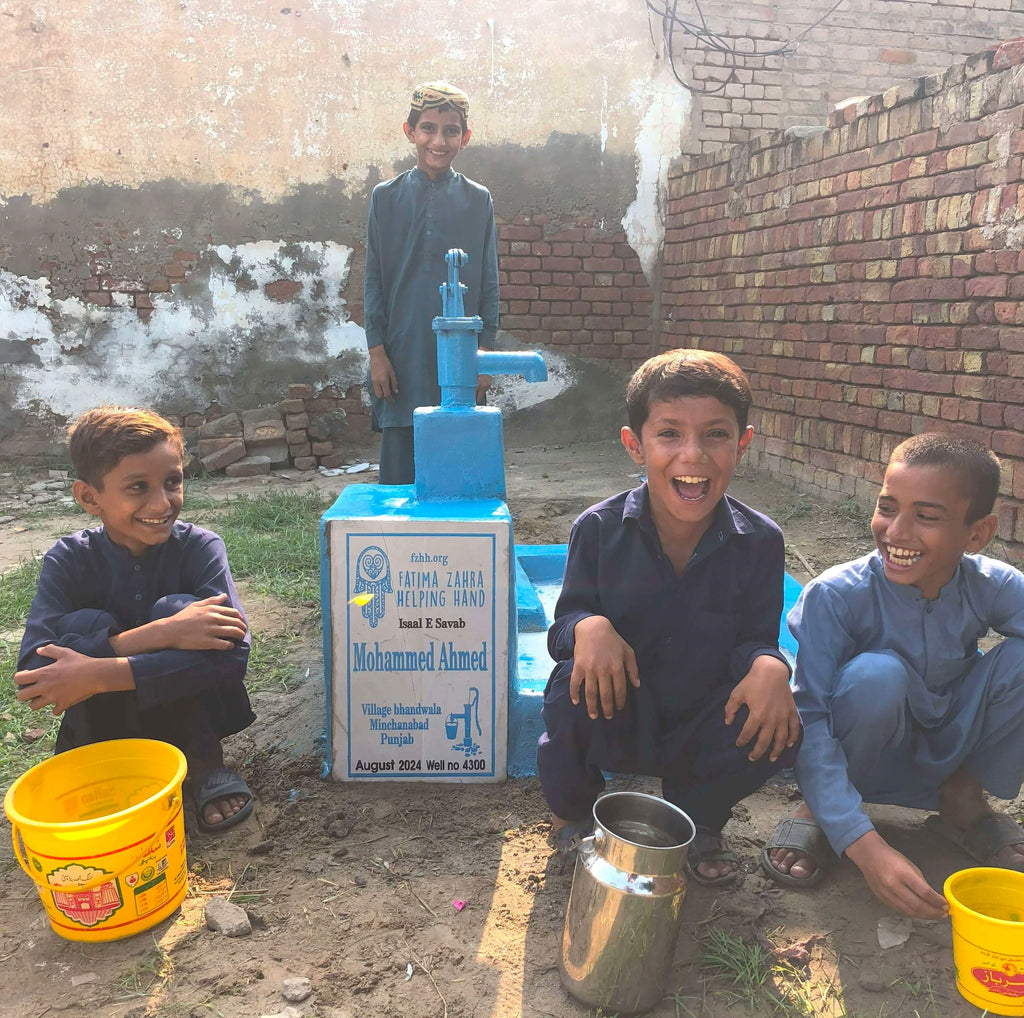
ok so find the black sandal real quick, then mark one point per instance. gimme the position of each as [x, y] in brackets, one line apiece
[220, 783]
[711, 846]
[797, 834]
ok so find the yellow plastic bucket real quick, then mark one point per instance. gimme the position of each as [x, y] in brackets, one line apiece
[987, 909]
[100, 830]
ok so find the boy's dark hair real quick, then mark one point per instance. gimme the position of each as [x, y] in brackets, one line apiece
[975, 468]
[414, 115]
[687, 373]
[103, 436]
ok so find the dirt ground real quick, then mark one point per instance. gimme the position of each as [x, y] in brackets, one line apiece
[352, 885]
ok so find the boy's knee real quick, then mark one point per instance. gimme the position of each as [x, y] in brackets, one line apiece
[86, 621]
[171, 604]
[871, 688]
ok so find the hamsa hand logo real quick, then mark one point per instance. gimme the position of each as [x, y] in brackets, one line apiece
[373, 578]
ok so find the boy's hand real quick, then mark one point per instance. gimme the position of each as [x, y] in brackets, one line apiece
[894, 879]
[204, 625]
[382, 374]
[483, 383]
[71, 679]
[772, 716]
[602, 664]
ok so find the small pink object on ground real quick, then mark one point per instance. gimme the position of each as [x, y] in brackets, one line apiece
[458, 905]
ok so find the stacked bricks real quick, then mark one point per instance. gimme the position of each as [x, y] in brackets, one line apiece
[304, 430]
[868, 278]
[576, 288]
[107, 290]
[861, 48]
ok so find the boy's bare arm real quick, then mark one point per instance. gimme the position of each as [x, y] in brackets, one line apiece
[382, 374]
[894, 879]
[603, 664]
[208, 624]
[772, 722]
[71, 678]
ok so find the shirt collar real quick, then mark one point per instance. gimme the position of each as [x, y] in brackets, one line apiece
[424, 178]
[727, 518]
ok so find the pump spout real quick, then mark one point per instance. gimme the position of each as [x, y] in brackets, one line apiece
[498, 362]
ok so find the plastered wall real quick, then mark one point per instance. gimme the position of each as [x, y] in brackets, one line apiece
[184, 185]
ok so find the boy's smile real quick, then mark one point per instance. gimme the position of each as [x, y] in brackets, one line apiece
[920, 527]
[438, 137]
[140, 499]
[690, 447]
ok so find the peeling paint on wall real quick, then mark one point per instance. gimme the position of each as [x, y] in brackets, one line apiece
[221, 335]
[658, 139]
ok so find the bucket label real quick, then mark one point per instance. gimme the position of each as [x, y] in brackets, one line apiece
[1007, 982]
[152, 894]
[88, 907]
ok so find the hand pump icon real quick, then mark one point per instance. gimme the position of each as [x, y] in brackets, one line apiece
[470, 715]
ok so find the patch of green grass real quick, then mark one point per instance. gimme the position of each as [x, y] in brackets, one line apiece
[800, 508]
[273, 541]
[758, 980]
[16, 718]
[269, 667]
[853, 511]
[17, 588]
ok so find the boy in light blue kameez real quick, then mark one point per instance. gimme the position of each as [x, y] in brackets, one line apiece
[898, 705]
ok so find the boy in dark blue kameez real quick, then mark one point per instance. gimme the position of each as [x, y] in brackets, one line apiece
[414, 220]
[666, 630]
[136, 630]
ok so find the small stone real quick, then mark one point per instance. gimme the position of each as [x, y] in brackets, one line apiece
[305, 463]
[33, 734]
[359, 880]
[263, 848]
[296, 989]
[86, 977]
[872, 982]
[224, 917]
[288, 1012]
[249, 466]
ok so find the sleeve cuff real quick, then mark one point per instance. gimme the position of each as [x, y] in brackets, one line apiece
[842, 836]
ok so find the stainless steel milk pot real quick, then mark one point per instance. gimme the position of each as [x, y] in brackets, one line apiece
[627, 893]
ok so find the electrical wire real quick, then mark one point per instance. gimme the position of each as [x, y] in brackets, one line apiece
[670, 20]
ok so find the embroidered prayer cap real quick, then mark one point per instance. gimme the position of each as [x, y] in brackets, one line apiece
[431, 94]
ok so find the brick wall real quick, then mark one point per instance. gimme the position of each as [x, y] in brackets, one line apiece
[862, 48]
[576, 287]
[868, 278]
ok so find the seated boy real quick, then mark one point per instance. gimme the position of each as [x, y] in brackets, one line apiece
[897, 703]
[136, 630]
[666, 630]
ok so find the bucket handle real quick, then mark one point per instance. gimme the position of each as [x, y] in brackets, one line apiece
[172, 800]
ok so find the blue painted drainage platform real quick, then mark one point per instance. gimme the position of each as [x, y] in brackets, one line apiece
[538, 571]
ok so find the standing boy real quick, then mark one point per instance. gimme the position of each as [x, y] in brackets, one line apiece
[897, 703]
[415, 219]
[666, 630]
[136, 630]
